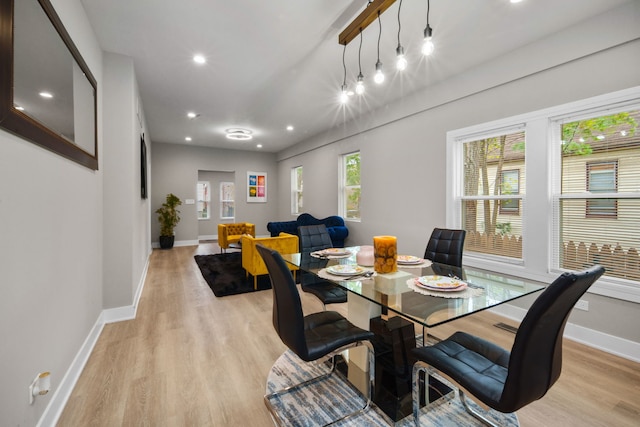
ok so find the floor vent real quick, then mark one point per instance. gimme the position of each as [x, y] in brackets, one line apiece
[506, 327]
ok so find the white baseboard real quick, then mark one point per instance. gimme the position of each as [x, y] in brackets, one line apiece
[156, 245]
[60, 397]
[208, 237]
[608, 343]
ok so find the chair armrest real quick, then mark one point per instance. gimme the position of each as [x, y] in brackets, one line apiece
[285, 243]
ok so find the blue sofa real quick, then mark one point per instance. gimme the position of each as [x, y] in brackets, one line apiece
[335, 225]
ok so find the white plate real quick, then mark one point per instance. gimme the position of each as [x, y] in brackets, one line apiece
[345, 269]
[335, 251]
[441, 283]
[409, 259]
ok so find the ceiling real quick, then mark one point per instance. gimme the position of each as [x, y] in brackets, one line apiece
[276, 63]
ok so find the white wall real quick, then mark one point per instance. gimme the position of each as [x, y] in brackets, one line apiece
[175, 170]
[51, 252]
[126, 215]
[403, 144]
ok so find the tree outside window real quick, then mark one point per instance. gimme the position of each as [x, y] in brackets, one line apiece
[493, 168]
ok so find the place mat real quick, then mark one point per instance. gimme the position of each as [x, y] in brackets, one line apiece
[467, 293]
[326, 275]
[425, 263]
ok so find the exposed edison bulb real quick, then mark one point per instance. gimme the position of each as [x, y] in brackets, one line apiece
[344, 97]
[360, 84]
[401, 61]
[379, 75]
[427, 46]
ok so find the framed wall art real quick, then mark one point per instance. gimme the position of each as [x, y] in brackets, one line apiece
[256, 187]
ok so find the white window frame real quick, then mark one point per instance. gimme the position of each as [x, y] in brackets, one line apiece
[207, 200]
[295, 191]
[222, 201]
[541, 193]
[342, 190]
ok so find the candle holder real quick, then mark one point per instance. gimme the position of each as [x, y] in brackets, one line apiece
[385, 254]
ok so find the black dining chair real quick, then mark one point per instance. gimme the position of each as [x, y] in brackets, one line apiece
[316, 336]
[507, 380]
[314, 238]
[445, 246]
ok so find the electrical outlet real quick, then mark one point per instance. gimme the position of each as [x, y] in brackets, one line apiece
[582, 305]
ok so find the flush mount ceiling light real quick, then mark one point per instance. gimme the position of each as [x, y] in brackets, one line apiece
[192, 115]
[238, 134]
[45, 95]
[199, 59]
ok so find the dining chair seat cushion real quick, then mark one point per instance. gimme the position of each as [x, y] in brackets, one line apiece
[327, 331]
[326, 291]
[479, 366]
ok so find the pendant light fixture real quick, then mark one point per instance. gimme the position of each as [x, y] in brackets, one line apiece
[379, 76]
[401, 61]
[428, 46]
[360, 81]
[343, 89]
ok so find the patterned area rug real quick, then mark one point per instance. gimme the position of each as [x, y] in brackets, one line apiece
[329, 399]
[225, 276]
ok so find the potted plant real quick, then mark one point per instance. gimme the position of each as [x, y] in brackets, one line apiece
[168, 218]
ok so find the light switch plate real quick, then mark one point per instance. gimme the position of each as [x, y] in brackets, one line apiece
[189, 202]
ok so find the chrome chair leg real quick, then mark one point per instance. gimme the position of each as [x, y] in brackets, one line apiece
[371, 358]
[477, 415]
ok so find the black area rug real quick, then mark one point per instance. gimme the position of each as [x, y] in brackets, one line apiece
[225, 275]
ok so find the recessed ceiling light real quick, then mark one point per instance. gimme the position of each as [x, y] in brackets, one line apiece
[19, 108]
[239, 134]
[289, 128]
[199, 59]
[188, 138]
[46, 95]
[192, 115]
[259, 145]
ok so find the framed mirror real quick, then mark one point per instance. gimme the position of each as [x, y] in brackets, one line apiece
[47, 92]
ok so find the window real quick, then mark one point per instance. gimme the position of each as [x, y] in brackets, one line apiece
[490, 205]
[204, 199]
[296, 190]
[598, 206]
[602, 178]
[350, 192]
[566, 196]
[510, 184]
[227, 200]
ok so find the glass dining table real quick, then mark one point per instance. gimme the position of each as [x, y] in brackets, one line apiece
[423, 292]
[407, 292]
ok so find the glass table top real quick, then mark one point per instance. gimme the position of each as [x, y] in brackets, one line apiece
[393, 292]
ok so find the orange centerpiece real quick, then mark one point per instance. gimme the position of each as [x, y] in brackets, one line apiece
[385, 254]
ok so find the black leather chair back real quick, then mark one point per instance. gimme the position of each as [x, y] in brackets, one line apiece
[288, 318]
[445, 246]
[536, 355]
[314, 238]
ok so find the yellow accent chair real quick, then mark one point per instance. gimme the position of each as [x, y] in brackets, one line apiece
[253, 263]
[231, 233]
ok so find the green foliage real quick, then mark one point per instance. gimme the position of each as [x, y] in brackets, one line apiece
[503, 228]
[168, 215]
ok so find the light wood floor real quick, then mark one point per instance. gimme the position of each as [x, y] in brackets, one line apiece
[191, 359]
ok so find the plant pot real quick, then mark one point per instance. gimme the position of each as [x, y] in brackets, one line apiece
[166, 242]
